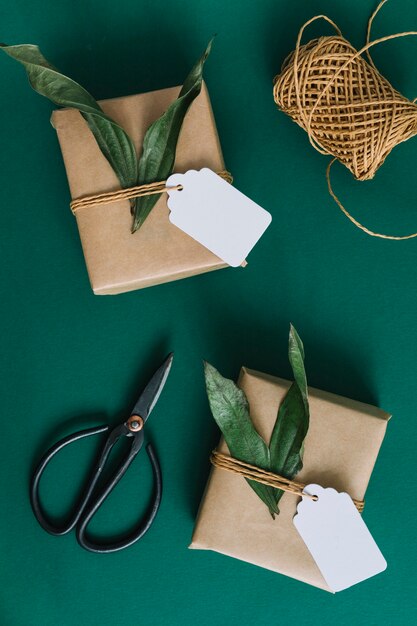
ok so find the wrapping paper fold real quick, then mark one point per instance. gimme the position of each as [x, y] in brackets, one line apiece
[117, 260]
[341, 448]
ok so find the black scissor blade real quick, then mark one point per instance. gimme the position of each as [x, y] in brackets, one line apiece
[149, 396]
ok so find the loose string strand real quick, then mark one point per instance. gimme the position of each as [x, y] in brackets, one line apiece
[369, 29]
[355, 221]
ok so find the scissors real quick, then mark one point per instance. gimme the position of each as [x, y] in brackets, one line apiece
[93, 497]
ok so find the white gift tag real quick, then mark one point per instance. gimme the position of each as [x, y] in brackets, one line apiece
[337, 537]
[216, 214]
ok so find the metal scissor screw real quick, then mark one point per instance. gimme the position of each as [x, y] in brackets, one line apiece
[135, 423]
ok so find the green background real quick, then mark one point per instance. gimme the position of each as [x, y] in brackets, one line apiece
[71, 359]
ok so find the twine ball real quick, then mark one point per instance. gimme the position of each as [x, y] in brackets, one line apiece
[349, 110]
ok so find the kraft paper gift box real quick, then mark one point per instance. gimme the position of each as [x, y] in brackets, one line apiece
[117, 260]
[341, 448]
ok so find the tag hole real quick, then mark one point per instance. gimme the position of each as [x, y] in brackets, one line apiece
[314, 498]
[180, 188]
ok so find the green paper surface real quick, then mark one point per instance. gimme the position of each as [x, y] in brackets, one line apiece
[71, 359]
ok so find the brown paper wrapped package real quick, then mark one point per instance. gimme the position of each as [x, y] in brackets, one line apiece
[341, 448]
[117, 260]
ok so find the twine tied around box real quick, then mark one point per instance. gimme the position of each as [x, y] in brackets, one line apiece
[149, 189]
[348, 109]
[131, 192]
[259, 475]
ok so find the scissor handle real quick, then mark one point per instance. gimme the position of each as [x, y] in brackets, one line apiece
[92, 507]
[90, 502]
[89, 487]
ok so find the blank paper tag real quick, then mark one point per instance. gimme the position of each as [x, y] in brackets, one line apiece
[216, 214]
[337, 537]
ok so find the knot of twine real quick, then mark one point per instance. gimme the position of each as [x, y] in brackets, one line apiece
[132, 192]
[251, 472]
[348, 109]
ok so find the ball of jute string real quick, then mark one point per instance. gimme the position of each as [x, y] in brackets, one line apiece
[348, 109]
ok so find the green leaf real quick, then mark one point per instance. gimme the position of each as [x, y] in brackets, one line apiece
[296, 358]
[230, 409]
[291, 426]
[113, 141]
[160, 142]
[283, 456]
